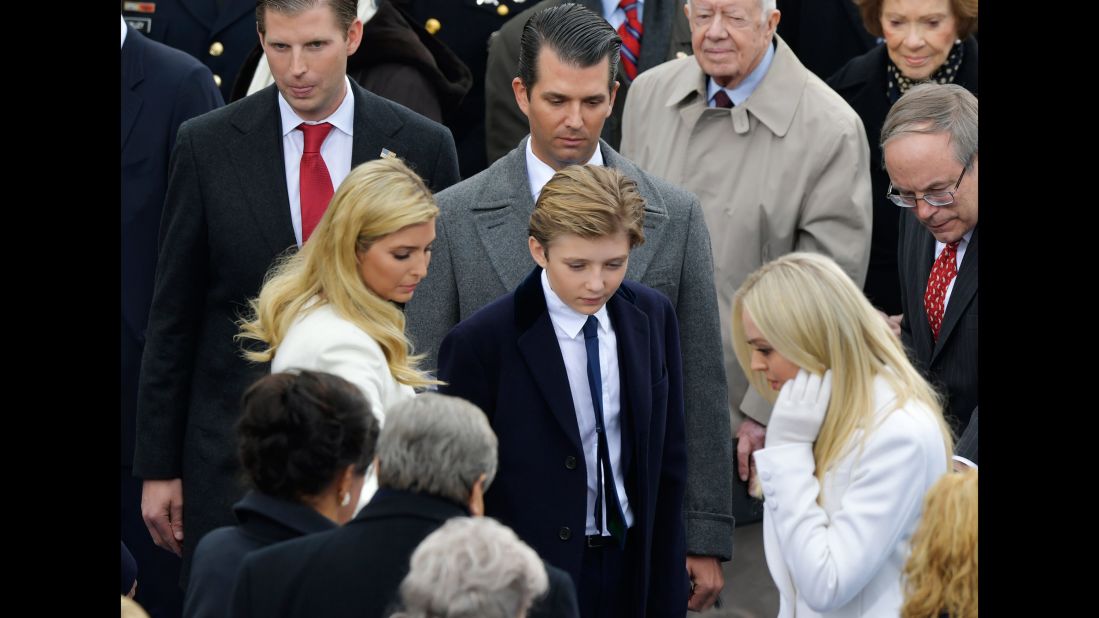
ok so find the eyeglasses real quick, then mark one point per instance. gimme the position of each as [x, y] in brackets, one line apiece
[940, 199]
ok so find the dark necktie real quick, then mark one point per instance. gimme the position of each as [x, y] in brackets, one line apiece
[616, 520]
[314, 183]
[942, 273]
[721, 99]
[630, 33]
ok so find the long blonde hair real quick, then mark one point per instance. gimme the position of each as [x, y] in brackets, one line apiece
[376, 199]
[813, 314]
[941, 573]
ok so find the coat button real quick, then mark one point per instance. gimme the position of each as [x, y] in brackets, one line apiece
[765, 475]
[217, 48]
[564, 533]
[217, 80]
[570, 462]
[432, 25]
[502, 10]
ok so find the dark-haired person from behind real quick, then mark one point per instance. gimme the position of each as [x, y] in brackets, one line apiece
[306, 439]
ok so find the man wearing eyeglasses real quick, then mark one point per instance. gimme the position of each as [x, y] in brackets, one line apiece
[929, 142]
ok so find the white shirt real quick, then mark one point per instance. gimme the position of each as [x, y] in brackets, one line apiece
[742, 91]
[336, 149]
[123, 32]
[958, 262]
[616, 16]
[538, 173]
[569, 326]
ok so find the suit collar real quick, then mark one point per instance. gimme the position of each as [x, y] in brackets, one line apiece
[538, 346]
[537, 343]
[257, 153]
[399, 503]
[774, 102]
[260, 509]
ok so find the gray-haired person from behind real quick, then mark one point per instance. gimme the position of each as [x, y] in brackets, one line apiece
[472, 567]
[435, 457]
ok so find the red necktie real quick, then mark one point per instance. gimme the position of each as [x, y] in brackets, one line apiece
[721, 99]
[630, 31]
[942, 273]
[315, 185]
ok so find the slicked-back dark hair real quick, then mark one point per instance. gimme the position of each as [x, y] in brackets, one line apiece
[299, 430]
[346, 10]
[578, 36]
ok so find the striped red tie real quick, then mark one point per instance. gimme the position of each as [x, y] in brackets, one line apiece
[942, 273]
[630, 31]
[314, 182]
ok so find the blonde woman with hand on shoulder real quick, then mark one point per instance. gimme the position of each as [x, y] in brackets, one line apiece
[855, 439]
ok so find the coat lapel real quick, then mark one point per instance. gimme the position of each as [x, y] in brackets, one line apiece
[925, 256]
[257, 158]
[501, 216]
[375, 125]
[631, 328]
[656, 212]
[965, 288]
[538, 345]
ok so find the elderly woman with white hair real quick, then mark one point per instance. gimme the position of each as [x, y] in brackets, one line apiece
[475, 568]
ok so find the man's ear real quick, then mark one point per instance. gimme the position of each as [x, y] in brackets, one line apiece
[522, 96]
[354, 36]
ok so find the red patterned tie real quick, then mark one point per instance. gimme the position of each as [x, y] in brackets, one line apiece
[315, 185]
[630, 31]
[721, 99]
[942, 273]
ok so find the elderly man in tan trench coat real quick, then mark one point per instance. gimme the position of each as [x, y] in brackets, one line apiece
[778, 160]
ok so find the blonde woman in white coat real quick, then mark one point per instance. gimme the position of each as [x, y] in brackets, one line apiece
[856, 438]
[332, 306]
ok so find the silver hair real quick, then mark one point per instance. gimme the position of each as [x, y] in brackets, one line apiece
[472, 567]
[936, 108]
[438, 445]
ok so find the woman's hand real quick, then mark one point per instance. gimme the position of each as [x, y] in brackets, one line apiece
[800, 408]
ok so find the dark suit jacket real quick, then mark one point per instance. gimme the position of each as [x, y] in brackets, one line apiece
[862, 83]
[506, 360]
[949, 363]
[264, 521]
[195, 26]
[226, 219]
[666, 33]
[161, 88]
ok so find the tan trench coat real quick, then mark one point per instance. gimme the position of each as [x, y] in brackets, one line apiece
[785, 171]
